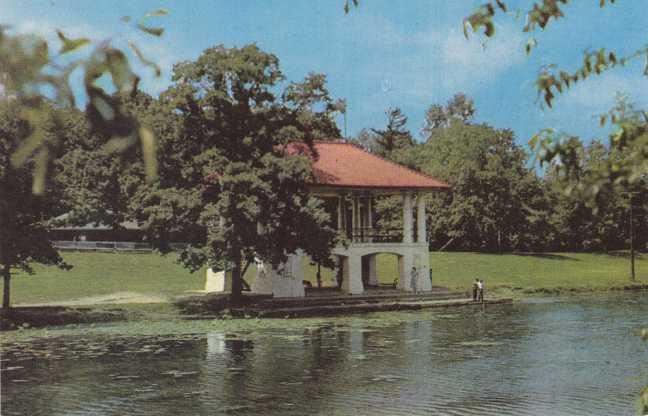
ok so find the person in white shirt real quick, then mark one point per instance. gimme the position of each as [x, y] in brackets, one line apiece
[480, 287]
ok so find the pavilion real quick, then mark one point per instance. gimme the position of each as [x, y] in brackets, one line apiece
[352, 178]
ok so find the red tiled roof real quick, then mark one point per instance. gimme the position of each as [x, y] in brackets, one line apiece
[346, 165]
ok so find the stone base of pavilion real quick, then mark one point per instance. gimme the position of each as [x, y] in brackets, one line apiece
[357, 267]
[327, 302]
[331, 301]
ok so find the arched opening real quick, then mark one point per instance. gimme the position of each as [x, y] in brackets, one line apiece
[321, 280]
[381, 271]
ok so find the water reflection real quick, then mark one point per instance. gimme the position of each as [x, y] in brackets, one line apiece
[578, 357]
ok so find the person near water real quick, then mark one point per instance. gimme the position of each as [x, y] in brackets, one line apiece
[475, 289]
[480, 286]
[414, 277]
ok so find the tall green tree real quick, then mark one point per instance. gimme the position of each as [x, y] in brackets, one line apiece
[459, 108]
[487, 172]
[24, 238]
[315, 106]
[366, 139]
[234, 129]
[394, 136]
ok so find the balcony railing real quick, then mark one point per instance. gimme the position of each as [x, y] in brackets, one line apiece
[376, 235]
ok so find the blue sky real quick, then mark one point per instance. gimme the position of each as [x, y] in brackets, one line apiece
[408, 54]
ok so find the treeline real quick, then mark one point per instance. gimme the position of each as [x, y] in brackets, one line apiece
[500, 199]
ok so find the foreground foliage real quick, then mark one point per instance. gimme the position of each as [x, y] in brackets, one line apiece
[34, 91]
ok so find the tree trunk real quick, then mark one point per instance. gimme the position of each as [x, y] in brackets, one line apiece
[236, 297]
[632, 245]
[6, 300]
[499, 240]
[319, 275]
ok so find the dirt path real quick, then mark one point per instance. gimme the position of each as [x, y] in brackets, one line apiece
[113, 298]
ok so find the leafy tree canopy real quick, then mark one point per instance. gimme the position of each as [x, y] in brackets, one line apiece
[23, 231]
[459, 108]
[226, 121]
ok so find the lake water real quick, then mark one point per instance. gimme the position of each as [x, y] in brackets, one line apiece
[575, 356]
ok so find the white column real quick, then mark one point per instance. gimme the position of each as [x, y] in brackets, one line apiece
[407, 218]
[352, 283]
[420, 219]
[422, 263]
[354, 218]
[370, 218]
[405, 264]
[341, 214]
[359, 223]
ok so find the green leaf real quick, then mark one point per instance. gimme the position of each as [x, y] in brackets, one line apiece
[155, 31]
[144, 60]
[466, 27]
[149, 153]
[565, 78]
[105, 110]
[120, 70]
[40, 171]
[28, 147]
[157, 13]
[70, 45]
[548, 96]
[533, 142]
[119, 144]
[531, 43]
[489, 29]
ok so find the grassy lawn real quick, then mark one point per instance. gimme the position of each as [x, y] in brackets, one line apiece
[96, 274]
[525, 271]
[559, 270]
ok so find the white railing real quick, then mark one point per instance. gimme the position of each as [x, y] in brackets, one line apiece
[110, 245]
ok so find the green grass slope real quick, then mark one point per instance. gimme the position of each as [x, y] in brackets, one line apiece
[96, 274]
[545, 270]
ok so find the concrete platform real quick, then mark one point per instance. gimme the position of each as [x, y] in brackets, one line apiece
[352, 304]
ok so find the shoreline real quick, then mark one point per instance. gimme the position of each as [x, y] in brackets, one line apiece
[21, 317]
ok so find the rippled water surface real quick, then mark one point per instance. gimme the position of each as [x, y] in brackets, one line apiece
[570, 357]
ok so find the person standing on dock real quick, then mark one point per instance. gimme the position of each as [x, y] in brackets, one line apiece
[475, 289]
[414, 277]
[480, 286]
